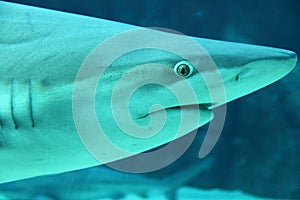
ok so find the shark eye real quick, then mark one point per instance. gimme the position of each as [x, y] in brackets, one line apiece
[183, 68]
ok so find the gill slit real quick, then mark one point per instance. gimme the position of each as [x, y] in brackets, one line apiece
[12, 104]
[30, 103]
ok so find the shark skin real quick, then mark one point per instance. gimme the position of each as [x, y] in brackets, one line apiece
[41, 52]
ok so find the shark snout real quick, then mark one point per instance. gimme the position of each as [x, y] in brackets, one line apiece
[281, 55]
[258, 68]
[245, 68]
[287, 54]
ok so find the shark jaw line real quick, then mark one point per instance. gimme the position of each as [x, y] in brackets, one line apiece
[203, 106]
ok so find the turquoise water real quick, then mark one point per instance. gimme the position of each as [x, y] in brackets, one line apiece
[257, 155]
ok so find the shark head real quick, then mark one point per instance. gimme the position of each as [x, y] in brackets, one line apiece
[157, 95]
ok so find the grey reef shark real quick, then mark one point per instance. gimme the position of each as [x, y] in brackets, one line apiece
[42, 52]
[101, 182]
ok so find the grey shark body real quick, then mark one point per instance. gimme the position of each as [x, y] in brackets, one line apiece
[41, 52]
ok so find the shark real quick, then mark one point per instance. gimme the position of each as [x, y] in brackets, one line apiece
[102, 182]
[41, 54]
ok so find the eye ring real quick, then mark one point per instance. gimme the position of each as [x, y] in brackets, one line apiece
[183, 68]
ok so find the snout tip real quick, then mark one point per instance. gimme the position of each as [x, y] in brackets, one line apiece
[290, 57]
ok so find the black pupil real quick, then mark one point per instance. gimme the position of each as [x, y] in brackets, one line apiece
[183, 70]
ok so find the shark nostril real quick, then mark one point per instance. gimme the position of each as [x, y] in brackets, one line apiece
[237, 77]
[183, 68]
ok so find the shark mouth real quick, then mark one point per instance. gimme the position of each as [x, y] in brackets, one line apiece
[203, 106]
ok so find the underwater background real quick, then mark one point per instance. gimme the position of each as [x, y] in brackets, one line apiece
[259, 149]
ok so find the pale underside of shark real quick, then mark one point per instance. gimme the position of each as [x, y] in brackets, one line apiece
[41, 52]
